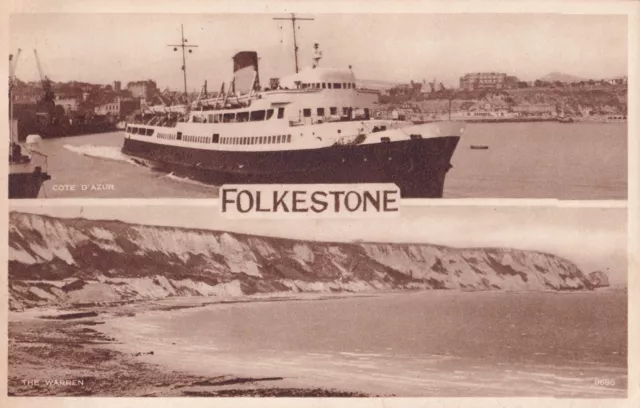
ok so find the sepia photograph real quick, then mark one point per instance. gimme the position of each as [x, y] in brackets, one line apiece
[336, 203]
[442, 301]
[176, 105]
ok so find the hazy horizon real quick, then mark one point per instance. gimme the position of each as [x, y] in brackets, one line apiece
[593, 238]
[102, 48]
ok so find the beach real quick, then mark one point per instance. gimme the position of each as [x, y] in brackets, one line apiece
[67, 353]
[233, 349]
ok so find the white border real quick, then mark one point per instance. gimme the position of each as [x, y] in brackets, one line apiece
[631, 8]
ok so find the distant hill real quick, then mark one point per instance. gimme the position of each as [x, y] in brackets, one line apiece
[559, 76]
[376, 84]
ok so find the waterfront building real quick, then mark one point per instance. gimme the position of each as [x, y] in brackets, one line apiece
[540, 109]
[69, 104]
[142, 89]
[118, 107]
[487, 80]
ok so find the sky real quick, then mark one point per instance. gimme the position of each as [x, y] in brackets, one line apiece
[101, 48]
[593, 238]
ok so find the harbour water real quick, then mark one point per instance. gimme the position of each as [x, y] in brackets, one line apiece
[435, 343]
[523, 160]
[541, 160]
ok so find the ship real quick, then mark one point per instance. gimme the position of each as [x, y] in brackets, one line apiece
[313, 126]
[27, 166]
[42, 116]
[27, 169]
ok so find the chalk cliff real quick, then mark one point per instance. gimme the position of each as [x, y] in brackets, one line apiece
[76, 261]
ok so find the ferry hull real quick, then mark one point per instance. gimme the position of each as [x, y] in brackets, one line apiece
[417, 166]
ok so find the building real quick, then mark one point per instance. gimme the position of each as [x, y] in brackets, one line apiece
[618, 81]
[26, 93]
[69, 104]
[541, 109]
[486, 80]
[119, 107]
[117, 86]
[142, 89]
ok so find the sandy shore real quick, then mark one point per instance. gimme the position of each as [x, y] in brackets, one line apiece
[64, 353]
[103, 350]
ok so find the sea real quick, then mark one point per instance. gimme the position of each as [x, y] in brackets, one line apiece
[523, 160]
[426, 343]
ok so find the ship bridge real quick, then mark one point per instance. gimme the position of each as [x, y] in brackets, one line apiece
[320, 78]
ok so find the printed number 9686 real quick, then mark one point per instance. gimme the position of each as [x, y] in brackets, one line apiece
[605, 382]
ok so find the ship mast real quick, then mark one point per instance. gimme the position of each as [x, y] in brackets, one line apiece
[293, 20]
[183, 45]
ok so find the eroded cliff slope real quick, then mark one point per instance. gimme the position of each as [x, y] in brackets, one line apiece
[78, 261]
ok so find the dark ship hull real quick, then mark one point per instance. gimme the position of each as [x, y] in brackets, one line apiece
[26, 184]
[52, 131]
[48, 131]
[418, 166]
[50, 126]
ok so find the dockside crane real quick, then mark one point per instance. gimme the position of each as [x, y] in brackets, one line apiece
[13, 65]
[44, 81]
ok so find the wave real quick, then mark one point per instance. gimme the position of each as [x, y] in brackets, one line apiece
[187, 180]
[113, 153]
[102, 152]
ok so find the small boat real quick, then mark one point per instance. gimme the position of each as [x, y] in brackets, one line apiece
[479, 147]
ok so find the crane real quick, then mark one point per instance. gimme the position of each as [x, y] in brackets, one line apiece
[44, 80]
[13, 64]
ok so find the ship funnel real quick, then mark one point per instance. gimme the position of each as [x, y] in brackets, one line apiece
[245, 72]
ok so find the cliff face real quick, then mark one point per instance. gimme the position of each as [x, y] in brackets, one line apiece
[77, 261]
[599, 279]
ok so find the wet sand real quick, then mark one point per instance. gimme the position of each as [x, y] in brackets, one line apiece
[64, 353]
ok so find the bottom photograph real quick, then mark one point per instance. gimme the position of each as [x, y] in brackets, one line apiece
[440, 301]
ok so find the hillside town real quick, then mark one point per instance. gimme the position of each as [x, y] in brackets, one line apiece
[492, 96]
[480, 96]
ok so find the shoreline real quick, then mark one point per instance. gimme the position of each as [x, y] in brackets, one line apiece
[82, 359]
[79, 345]
[192, 301]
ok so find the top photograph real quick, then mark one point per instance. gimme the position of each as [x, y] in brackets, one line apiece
[453, 106]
